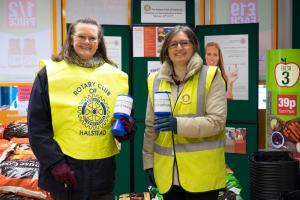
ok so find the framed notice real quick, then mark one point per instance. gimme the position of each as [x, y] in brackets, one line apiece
[148, 40]
[163, 12]
[235, 55]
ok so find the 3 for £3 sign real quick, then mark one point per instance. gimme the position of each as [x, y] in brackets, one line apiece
[21, 13]
[243, 11]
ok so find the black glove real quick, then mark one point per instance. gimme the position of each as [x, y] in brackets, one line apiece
[130, 128]
[150, 177]
[165, 123]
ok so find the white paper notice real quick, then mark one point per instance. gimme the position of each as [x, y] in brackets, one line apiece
[153, 66]
[163, 12]
[235, 56]
[114, 49]
[138, 41]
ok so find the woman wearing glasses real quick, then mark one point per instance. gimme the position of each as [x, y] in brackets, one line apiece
[70, 117]
[183, 153]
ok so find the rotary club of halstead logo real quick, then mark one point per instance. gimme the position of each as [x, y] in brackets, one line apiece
[93, 112]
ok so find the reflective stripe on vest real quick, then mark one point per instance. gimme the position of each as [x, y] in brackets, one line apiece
[201, 90]
[168, 151]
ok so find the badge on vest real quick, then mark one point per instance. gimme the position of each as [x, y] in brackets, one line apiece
[185, 99]
[93, 112]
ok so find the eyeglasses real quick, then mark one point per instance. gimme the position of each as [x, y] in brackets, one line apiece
[183, 44]
[82, 38]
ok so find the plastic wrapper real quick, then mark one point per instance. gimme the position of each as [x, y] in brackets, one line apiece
[19, 173]
[6, 147]
[11, 196]
[19, 130]
[233, 188]
[154, 194]
[21, 177]
[134, 196]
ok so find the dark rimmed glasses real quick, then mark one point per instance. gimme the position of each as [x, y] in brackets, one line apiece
[182, 43]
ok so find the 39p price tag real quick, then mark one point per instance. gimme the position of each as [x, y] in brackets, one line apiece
[287, 105]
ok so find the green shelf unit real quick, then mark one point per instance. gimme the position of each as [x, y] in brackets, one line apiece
[140, 87]
[239, 162]
[123, 178]
[140, 184]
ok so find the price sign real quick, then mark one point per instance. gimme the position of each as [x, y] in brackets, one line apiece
[286, 74]
[287, 105]
[21, 13]
[243, 11]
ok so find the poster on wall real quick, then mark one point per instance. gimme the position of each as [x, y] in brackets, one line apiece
[153, 66]
[243, 11]
[235, 141]
[247, 11]
[250, 11]
[234, 50]
[147, 40]
[163, 12]
[25, 37]
[114, 47]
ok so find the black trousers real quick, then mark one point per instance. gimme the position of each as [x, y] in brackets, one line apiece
[178, 193]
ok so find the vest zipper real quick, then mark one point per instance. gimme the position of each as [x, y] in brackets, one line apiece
[175, 160]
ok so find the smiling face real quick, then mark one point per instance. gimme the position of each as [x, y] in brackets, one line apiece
[85, 40]
[181, 53]
[212, 56]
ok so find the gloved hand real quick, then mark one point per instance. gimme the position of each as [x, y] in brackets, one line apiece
[130, 128]
[150, 177]
[165, 123]
[63, 174]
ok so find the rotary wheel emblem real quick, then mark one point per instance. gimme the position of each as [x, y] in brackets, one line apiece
[93, 112]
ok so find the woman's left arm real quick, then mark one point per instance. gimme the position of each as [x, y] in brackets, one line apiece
[215, 117]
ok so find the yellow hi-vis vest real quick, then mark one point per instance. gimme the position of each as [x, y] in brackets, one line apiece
[82, 104]
[200, 161]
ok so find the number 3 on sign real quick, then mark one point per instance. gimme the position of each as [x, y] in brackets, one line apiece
[286, 74]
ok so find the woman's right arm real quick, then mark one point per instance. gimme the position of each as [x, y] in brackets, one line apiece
[149, 137]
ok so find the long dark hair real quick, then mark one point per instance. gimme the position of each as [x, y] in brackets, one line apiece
[185, 29]
[68, 49]
[220, 61]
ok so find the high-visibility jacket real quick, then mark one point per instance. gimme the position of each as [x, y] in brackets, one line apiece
[82, 104]
[200, 161]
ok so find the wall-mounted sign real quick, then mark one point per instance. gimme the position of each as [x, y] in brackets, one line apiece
[235, 53]
[163, 11]
[243, 11]
[114, 47]
[25, 38]
[148, 40]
